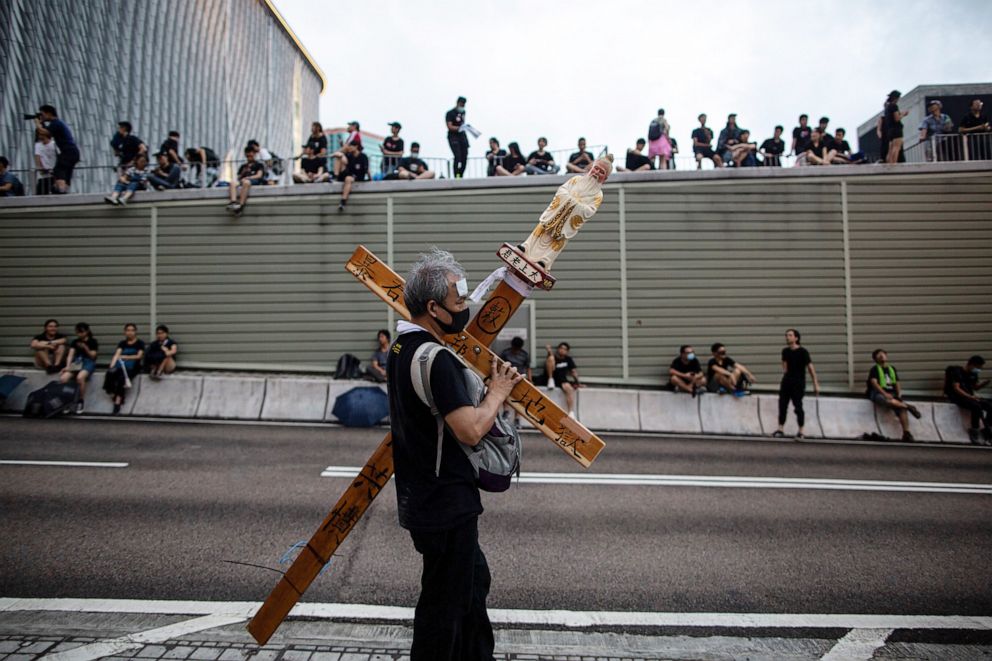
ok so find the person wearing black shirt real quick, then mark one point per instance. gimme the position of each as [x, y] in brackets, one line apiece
[892, 125]
[513, 162]
[885, 390]
[636, 160]
[729, 137]
[437, 498]
[124, 365]
[356, 168]
[494, 157]
[68, 154]
[686, 373]
[541, 161]
[126, 146]
[581, 160]
[170, 146]
[161, 356]
[166, 174]
[960, 385]
[312, 169]
[457, 139]
[816, 151]
[724, 374]
[205, 163]
[772, 149]
[81, 361]
[49, 348]
[560, 367]
[412, 167]
[796, 362]
[801, 135]
[828, 140]
[392, 149]
[743, 152]
[972, 126]
[702, 145]
[252, 173]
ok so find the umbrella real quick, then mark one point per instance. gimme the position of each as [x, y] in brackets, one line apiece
[361, 407]
[8, 382]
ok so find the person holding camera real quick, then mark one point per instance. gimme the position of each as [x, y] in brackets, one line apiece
[68, 157]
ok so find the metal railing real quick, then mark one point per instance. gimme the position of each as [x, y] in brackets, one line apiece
[951, 147]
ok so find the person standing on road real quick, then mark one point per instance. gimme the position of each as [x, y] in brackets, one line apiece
[457, 139]
[796, 362]
[437, 497]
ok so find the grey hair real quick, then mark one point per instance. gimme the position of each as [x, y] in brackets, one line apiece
[428, 279]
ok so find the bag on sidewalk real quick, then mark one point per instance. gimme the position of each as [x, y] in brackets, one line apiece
[52, 400]
[348, 367]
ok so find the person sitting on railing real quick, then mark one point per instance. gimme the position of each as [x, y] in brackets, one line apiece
[513, 162]
[884, 389]
[636, 160]
[251, 173]
[702, 145]
[204, 163]
[10, 185]
[170, 146]
[581, 160]
[166, 174]
[45, 156]
[743, 152]
[356, 168]
[934, 125]
[411, 167]
[392, 150]
[132, 180]
[311, 168]
[126, 146]
[771, 150]
[494, 156]
[271, 164]
[541, 161]
[730, 136]
[960, 384]
[972, 126]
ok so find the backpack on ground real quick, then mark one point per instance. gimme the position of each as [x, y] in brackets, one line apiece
[496, 459]
[654, 130]
[52, 400]
[348, 367]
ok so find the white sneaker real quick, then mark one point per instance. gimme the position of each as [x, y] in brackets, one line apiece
[571, 414]
[551, 386]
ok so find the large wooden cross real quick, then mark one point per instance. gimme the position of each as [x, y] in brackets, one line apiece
[472, 346]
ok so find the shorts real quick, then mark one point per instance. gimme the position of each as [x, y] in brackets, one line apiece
[257, 182]
[83, 364]
[706, 152]
[65, 163]
[879, 398]
[895, 132]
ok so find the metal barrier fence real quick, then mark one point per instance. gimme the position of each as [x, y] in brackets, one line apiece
[951, 147]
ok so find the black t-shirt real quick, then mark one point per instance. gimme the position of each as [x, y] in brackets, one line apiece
[562, 367]
[957, 374]
[841, 146]
[580, 158]
[156, 350]
[816, 149]
[635, 160]
[412, 164]
[61, 135]
[892, 119]
[455, 116]
[544, 160]
[510, 162]
[312, 165]
[692, 367]
[828, 141]
[44, 338]
[518, 358]
[802, 137]
[703, 135]
[130, 144]
[130, 349]
[393, 144]
[170, 144]
[796, 361]
[728, 364]
[425, 501]
[317, 143]
[970, 121]
[358, 167]
[78, 345]
[773, 147]
[884, 382]
[252, 170]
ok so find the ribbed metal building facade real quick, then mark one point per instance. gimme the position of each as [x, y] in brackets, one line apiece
[218, 71]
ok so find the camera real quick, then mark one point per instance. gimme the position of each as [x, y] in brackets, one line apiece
[32, 116]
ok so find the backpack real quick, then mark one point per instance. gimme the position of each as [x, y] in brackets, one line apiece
[51, 400]
[497, 456]
[348, 367]
[654, 130]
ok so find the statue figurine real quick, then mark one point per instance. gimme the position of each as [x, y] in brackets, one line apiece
[575, 202]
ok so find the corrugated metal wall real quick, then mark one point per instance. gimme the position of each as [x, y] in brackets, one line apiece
[730, 260]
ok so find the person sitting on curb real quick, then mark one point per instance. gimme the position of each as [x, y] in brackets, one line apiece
[724, 374]
[517, 356]
[81, 361]
[960, 384]
[686, 373]
[49, 348]
[560, 367]
[132, 180]
[884, 390]
[124, 365]
[377, 371]
[161, 356]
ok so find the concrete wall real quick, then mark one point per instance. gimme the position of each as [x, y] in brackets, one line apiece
[671, 258]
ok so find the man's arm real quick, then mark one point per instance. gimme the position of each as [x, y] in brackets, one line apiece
[963, 393]
[816, 379]
[470, 423]
[6, 187]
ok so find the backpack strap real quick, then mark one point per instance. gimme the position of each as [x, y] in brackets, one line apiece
[420, 375]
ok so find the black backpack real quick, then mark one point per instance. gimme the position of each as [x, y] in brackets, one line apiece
[52, 400]
[349, 367]
[654, 130]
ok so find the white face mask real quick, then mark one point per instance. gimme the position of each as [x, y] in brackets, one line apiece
[690, 356]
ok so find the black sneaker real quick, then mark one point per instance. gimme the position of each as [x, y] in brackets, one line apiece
[907, 437]
[915, 412]
[117, 409]
[79, 407]
[973, 436]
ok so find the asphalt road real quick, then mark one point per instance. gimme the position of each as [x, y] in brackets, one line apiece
[195, 496]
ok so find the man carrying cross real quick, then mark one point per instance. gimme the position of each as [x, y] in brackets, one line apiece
[438, 501]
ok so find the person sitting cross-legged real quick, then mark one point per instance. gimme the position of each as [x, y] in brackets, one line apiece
[412, 167]
[960, 386]
[724, 374]
[580, 161]
[251, 173]
[512, 164]
[166, 174]
[636, 160]
[132, 180]
[686, 373]
[49, 348]
[541, 161]
[884, 389]
[311, 168]
[161, 356]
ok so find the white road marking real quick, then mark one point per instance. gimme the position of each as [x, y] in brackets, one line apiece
[737, 482]
[135, 640]
[241, 610]
[858, 644]
[83, 464]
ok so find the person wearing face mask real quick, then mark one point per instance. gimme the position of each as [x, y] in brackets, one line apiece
[411, 167]
[437, 497]
[457, 139]
[686, 372]
[796, 362]
[960, 384]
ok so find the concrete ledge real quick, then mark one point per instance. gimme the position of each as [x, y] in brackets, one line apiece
[175, 396]
[33, 379]
[336, 388]
[226, 398]
[768, 412]
[951, 421]
[847, 418]
[726, 414]
[923, 429]
[295, 399]
[607, 408]
[669, 411]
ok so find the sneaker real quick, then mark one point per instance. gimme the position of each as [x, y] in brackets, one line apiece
[777, 434]
[121, 202]
[117, 409]
[231, 206]
[551, 386]
[110, 199]
[238, 209]
[79, 407]
[571, 414]
[915, 412]
[799, 436]
[907, 437]
[973, 435]
[741, 393]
